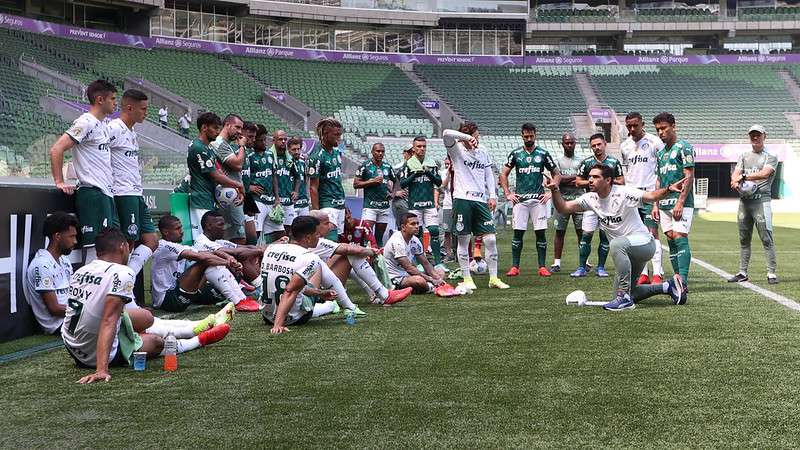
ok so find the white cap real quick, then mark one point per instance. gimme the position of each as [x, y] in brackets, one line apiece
[758, 128]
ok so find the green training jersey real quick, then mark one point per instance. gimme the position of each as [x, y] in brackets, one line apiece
[754, 162]
[327, 167]
[285, 170]
[376, 197]
[302, 191]
[589, 162]
[246, 168]
[420, 185]
[671, 162]
[530, 167]
[262, 166]
[201, 162]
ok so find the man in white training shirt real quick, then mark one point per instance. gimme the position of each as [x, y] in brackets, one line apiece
[403, 251]
[639, 152]
[631, 244]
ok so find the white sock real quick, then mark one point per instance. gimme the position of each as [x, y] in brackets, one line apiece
[658, 268]
[331, 281]
[321, 309]
[361, 283]
[556, 262]
[181, 330]
[91, 254]
[645, 272]
[463, 255]
[185, 345]
[365, 272]
[490, 243]
[665, 287]
[139, 257]
[430, 288]
[222, 279]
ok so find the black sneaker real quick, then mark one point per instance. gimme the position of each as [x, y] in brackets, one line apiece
[738, 278]
[772, 279]
[555, 268]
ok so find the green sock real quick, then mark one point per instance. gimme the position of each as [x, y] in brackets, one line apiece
[332, 235]
[541, 246]
[684, 257]
[584, 249]
[602, 250]
[673, 255]
[516, 247]
[436, 246]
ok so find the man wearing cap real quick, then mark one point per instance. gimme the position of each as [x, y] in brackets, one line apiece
[753, 177]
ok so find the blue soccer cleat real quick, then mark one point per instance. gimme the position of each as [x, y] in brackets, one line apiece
[579, 273]
[601, 272]
[621, 303]
[677, 290]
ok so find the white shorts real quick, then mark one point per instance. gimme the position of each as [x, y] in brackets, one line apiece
[336, 216]
[263, 224]
[301, 211]
[428, 217]
[668, 223]
[589, 223]
[195, 215]
[288, 215]
[377, 215]
[530, 211]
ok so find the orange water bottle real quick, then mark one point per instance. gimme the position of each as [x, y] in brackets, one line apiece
[170, 353]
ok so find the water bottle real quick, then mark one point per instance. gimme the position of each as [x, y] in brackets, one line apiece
[170, 353]
[350, 317]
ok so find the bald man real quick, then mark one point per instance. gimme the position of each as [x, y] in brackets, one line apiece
[569, 166]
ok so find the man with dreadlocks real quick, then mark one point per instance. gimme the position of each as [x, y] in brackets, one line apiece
[325, 174]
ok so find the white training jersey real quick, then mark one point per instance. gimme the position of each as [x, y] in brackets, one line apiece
[640, 159]
[166, 266]
[45, 274]
[473, 177]
[124, 159]
[204, 244]
[279, 264]
[91, 156]
[397, 247]
[324, 249]
[88, 289]
[618, 213]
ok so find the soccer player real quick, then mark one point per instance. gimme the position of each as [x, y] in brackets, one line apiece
[98, 331]
[403, 252]
[358, 232]
[247, 141]
[325, 171]
[639, 152]
[757, 166]
[529, 199]
[632, 244]
[286, 182]
[295, 144]
[232, 157]
[47, 283]
[89, 140]
[675, 212]
[203, 173]
[262, 187]
[589, 222]
[134, 216]
[447, 209]
[374, 177]
[400, 196]
[568, 167]
[474, 198]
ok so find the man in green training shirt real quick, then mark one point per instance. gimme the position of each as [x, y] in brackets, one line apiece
[262, 186]
[675, 212]
[325, 171]
[529, 199]
[295, 145]
[247, 140]
[589, 223]
[286, 182]
[421, 178]
[374, 176]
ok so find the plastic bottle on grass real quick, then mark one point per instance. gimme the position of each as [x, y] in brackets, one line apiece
[349, 317]
[170, 353]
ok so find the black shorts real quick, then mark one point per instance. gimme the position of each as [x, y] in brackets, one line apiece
[118, 361]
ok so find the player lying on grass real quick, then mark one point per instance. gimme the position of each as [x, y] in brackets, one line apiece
[631, 243]
[99, 332]
[402, 251]
[349, 260]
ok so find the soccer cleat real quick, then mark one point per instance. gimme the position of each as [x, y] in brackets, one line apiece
[359, 312]
[738, 278]
[497, 283]
[336, 307]
[468, 284]
[657, 279]
[398, 295]
[621, 303]
[601, 272]
[248, 305]
[213, 335]
[644, 279]
[543, 272]
[374, 299]
[205, 324]
[772, 278]
[579, 273]
[246, 286]
[225, 314]
[555, 268]
[513, 271]
[677, 290]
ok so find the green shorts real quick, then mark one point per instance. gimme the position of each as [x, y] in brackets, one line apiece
[177, 300]
[644, 213]
[95, 211]
[447, 220]
[561, 221]
[472, 217]
[134, 216]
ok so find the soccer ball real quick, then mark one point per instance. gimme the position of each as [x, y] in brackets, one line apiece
[225, 195]
[478, 266]
[577, 298]
[747, 188]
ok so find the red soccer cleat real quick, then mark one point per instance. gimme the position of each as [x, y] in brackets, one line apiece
[643, 279]
[248, 305]
[657, 279]
[397, 296]
[215, 334]
[543, 272]
[513, 271]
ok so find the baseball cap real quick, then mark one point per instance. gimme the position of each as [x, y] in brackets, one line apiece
[758, 128]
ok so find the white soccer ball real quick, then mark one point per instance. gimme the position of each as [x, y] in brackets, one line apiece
[577, 298]
[747, 188]
[479, 267]
[225, 196]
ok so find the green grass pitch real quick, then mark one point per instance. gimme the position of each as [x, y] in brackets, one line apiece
[514, 368]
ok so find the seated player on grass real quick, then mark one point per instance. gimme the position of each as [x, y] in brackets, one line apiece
[631, 243]
[353, 261]
[402, 252]
[99, 332]
[357, 231]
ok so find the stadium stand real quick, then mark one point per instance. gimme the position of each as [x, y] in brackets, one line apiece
[577, 15]
[676, 15]
[769, 13]
[361, 122]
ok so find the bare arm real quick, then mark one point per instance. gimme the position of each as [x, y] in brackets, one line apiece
[295, 286]
[236, 160]
[581, 182]
[561, 205]
[51, 302]
[62, 145]
[313, 193]
[504, 184]
[430, 271]
[406, 264]
[355, 250]
[105, 338]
